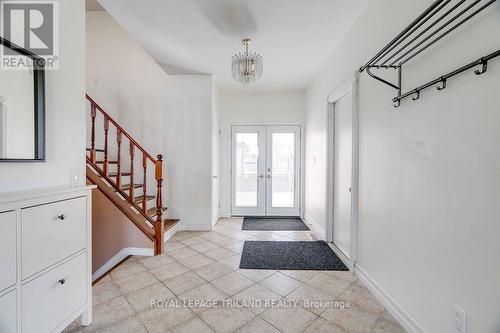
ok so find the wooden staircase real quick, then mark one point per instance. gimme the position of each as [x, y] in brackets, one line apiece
[124, 186]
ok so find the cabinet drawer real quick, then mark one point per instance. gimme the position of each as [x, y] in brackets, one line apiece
[7, 249]
[52, 232]
[8, 312]
[51, 298]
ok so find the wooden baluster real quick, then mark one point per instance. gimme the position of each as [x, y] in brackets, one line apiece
[92, 136]
[159, 227]
[144, 182]
[118, 168]
[131, 184]
[106, 130]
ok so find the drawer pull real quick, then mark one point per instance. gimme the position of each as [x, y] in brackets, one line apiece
[62, 281]
[61, 217]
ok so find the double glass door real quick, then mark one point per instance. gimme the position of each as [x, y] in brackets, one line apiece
[265, 170]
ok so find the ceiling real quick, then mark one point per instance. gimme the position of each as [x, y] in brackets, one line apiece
[294, 37]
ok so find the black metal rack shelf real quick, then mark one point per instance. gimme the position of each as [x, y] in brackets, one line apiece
[436, 22]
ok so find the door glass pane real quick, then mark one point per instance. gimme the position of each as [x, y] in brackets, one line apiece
[283, 170]
[247, 153]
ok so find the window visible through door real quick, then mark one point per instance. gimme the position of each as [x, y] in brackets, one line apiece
[247, 154]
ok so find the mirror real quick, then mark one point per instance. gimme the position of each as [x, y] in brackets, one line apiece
[22, 107]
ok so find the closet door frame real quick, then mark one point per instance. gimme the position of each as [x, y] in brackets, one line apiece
[350, 85]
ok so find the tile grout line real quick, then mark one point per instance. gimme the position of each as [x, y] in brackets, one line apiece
[136, 314]
[376, 323]
[268, 322]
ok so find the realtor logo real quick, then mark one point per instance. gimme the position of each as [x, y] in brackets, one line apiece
[32, 25]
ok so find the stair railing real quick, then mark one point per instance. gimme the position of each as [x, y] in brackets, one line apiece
[115, 180]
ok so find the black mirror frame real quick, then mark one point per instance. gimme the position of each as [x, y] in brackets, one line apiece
[39, 102]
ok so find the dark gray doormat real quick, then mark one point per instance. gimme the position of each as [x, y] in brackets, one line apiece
[313, 256]
[274, 224]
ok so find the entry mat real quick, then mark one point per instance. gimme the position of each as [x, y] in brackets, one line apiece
[274, 224]
[304, 255]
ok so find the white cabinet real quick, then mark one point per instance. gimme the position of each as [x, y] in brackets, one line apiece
[53, 297]
[45, 259]
[8, 312]
[7, 249]
[52, 232]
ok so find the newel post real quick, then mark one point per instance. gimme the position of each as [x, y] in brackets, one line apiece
[159, 228]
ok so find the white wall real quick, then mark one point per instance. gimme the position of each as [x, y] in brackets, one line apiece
[429, 173]
[190, 151]
[65, 116]
[264, 108]
[169, 115]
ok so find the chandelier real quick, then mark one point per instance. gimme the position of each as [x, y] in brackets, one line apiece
[247, 67]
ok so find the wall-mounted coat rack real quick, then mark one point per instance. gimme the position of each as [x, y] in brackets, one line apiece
[436, 22]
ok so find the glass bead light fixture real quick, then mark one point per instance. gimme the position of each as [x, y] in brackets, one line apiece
[247, 66]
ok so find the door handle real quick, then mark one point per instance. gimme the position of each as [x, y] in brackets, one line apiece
[269, 176]
[350, 189]
[261, 176]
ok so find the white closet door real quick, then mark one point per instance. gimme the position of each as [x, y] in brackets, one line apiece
[342, 174]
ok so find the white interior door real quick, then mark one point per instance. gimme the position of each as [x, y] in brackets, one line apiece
[248, 169]
[342, 173]
[283, 171]
[265, 170]
[215, 172]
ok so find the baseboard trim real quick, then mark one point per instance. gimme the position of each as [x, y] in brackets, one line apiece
[119, 257]
[390, 304]
[130, 251]
[195, 227]
[314, 226]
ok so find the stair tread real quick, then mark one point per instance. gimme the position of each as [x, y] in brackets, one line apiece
[109, 162]
[139, 198]
[152, 211]
[127, 186]
[122, 173]
[97, 150]
[169, 223]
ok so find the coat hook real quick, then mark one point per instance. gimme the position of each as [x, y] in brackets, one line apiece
[483, 69]
[443, 84]
[417, 95]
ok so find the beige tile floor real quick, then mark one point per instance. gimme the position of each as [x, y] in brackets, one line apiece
[204, 266]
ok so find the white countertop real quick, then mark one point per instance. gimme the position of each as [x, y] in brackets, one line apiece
[42, 192]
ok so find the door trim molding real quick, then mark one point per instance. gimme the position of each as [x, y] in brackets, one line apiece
[350, 85]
